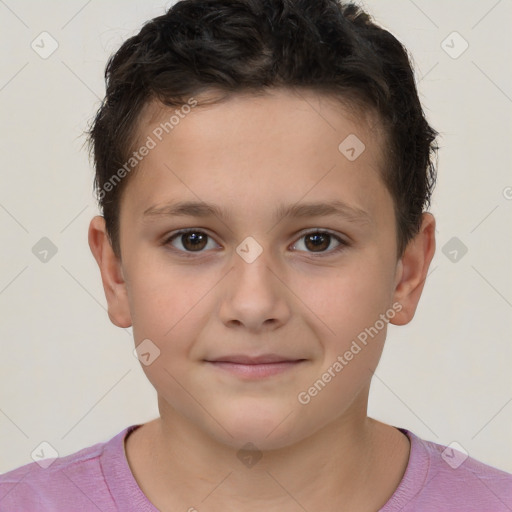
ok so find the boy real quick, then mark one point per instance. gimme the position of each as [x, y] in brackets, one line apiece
[262, 168]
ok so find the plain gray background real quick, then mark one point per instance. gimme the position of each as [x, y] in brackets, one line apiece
[69, 377]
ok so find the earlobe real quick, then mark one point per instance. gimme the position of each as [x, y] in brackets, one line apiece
[112, 277]
[412, 270]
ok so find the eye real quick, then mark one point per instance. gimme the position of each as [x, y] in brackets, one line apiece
[319, 241]
[192, 240]
[195, 241]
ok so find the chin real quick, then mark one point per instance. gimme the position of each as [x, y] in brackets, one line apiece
[267, 428]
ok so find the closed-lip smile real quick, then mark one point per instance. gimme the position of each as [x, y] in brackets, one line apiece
[255, 367]
[245, 359]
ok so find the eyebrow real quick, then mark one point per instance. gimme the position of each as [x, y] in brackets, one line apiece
[299, 210]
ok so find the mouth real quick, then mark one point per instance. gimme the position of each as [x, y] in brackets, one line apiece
[258, 367]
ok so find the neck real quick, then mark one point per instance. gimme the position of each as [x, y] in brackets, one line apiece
[354, 463]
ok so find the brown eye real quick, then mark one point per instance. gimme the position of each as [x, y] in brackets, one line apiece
[193, 241]
[320, 242]
[317, 241]
[190, 241]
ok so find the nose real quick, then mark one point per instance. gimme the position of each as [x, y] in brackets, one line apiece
[254, 296]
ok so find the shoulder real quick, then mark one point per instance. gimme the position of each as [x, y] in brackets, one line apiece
[75, 481]
[440, 477]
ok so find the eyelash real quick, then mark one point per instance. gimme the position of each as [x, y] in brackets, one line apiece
[343, 244]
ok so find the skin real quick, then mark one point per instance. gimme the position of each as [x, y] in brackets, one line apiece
[248, 155]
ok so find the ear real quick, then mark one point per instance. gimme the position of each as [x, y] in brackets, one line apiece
[412, 269]
[111, 273]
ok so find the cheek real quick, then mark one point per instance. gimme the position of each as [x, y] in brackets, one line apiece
[164, 297]
[171, 307]
[359, 298]
[351, 298]
[173, 326]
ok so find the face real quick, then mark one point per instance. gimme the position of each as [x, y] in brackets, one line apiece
[268, 298]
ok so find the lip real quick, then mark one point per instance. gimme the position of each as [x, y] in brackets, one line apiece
[255, 367]
[252, 360]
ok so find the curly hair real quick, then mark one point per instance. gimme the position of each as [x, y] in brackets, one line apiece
[236, 46]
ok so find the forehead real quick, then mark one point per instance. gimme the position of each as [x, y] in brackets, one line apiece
[273, 109]
[283, 143]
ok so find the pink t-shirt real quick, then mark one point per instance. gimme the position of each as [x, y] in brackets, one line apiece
[98, 478]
